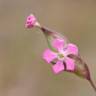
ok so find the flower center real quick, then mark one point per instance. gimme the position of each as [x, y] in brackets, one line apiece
[61, 56]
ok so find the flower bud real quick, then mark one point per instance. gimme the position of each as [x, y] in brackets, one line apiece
[31, 22]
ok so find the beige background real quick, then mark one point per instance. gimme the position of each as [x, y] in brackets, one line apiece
[22, 70]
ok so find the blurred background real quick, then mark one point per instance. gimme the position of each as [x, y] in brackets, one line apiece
[22, 69]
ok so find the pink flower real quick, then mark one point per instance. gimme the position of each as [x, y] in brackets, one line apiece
[31, 21]
[60, 59]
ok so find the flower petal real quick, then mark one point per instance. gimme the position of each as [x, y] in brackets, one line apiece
[58, 67]
[58, 43]
[70, 65]
[49, 55]
[72, 49]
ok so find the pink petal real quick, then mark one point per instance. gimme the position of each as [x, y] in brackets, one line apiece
[58, 67]
[70, 65]
[49, 55]
[58, 43]
[30, 22]
[72, 49]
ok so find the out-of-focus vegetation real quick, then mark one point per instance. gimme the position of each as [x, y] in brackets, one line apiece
[22, 70]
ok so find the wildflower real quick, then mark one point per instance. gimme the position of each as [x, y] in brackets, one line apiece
[31, 22]
[60, 59]
[63, 56]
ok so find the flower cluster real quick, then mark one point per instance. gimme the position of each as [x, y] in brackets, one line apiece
[58, 58]
[62, 55]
